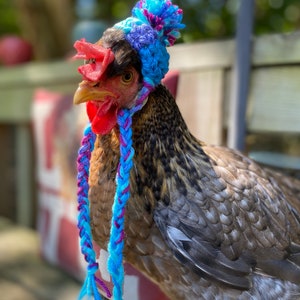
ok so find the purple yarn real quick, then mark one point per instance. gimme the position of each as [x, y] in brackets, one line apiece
[141, 36]
[89, 287]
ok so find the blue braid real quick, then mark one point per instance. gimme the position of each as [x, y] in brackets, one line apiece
[116, 242]
[89, 287]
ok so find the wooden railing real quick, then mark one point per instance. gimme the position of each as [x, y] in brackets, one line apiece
[17, 86]
[203, 96]
[274, 88]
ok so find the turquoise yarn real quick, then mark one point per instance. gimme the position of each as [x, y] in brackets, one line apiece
[153, 26]
[122, 195]
[89, 287]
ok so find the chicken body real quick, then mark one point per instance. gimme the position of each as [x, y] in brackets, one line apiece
[202, 222]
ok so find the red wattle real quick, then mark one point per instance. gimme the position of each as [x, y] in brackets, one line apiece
[103, 117]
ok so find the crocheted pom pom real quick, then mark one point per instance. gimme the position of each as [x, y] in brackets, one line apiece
[162, 16]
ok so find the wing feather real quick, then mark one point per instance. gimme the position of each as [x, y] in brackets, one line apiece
[233, 220]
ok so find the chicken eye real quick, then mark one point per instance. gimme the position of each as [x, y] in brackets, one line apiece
[127, 77]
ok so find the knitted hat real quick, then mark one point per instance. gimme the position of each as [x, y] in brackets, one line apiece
[153, 26]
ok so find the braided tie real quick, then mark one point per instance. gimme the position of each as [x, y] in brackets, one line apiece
[89, 287]
[116, 242]
[154, 25]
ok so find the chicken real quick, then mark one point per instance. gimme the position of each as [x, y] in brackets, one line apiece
[202, 222]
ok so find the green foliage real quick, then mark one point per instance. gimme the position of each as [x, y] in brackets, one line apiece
[204, 19]
[8, 20]
[208, 19]
[215, 19]
[277, 16]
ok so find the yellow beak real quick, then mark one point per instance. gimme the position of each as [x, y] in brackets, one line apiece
[87, 92]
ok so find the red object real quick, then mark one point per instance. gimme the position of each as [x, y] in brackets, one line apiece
[67, 245]
[103, 116]
[171, 81]
[14, 50]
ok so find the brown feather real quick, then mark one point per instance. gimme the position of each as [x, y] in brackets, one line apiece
[203, 222]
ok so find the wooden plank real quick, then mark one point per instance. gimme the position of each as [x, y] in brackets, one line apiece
[24, 178]
[35, 74]
[267, 50]
[200, 99]
[274, 103]
[276, 49]
[277, 160]
[17, 85]
[214, 54]
[16, 104]
[7, 183]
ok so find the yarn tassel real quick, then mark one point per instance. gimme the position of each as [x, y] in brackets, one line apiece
[89, 287]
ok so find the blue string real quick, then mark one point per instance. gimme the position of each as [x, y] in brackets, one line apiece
[89, 287]
[116, 242]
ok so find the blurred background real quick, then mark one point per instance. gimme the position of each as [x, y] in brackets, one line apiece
[39, 140]
[40, 31]
[50, 26]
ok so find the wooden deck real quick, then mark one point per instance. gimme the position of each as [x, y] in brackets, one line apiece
[23, 273]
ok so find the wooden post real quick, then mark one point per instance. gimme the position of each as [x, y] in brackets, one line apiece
[240, 76]
[24, 178]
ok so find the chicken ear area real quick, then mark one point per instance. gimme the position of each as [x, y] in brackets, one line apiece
[103, 116]
[202, 257]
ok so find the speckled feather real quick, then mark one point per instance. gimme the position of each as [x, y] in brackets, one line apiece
[203, 222]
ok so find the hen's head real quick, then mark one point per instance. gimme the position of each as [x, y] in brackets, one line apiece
[126, 64]
[111, 78]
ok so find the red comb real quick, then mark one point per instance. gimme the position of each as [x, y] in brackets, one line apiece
[100, 58]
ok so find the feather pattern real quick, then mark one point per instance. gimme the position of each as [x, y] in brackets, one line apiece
[203, 221]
